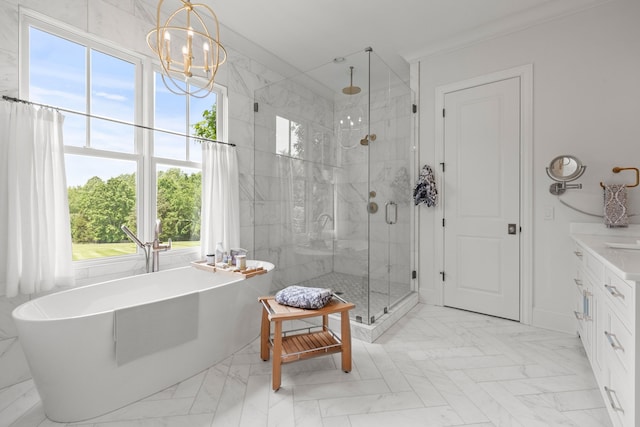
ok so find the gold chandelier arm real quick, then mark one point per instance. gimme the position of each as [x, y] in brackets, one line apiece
[201, 55]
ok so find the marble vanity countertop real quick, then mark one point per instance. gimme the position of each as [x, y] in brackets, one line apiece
[624, 262]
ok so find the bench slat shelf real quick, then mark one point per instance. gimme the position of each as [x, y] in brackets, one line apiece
[305, 346]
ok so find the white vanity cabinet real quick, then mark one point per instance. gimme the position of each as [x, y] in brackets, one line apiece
[606, 309]
[587, 306]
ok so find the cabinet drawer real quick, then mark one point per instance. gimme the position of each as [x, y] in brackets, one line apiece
[578, 308]
[620, 295]
[594, 267]
[579, 252]
[618, 398]
[618, 342]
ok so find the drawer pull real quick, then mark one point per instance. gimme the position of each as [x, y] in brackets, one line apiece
[578, 254]
[614, 291]
[579, 316]
[610, 338]
[610, 394]
[578, 282]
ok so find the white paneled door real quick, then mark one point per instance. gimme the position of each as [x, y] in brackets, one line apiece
[482, 198]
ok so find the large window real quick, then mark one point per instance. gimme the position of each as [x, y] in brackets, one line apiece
[118, 173]
[177, 159]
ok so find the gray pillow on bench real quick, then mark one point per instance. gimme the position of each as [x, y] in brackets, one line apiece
[304, 297]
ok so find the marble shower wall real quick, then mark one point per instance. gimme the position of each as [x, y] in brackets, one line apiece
[123, 24]
[294, 194]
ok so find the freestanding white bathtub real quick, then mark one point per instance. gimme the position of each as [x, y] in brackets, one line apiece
[81, 344]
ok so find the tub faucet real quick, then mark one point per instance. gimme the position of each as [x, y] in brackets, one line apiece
[156, 246]
[146, 247]
[150, 247]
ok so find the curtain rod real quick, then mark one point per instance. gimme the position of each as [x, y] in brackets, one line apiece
[11, 99]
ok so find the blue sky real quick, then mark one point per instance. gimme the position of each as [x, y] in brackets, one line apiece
[58, 77]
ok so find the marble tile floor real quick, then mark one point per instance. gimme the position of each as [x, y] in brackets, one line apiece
[435, 367]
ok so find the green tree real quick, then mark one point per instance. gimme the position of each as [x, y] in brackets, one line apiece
[179, 204]
[98, 208]
[207, 127]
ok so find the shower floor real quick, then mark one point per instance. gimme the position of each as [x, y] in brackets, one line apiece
[353, 288]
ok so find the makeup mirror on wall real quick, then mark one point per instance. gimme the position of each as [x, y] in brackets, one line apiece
[563, 169]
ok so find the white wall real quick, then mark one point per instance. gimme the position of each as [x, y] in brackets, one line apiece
[586, 102]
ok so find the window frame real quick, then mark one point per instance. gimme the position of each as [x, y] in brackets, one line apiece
[221, 95]
[146, 162]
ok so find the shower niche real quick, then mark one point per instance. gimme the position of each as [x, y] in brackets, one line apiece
[333, 164]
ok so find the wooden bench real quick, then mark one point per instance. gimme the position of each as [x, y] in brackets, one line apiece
[305, 343]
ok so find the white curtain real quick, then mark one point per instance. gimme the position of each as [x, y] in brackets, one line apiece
[220, 216]
[35, 247]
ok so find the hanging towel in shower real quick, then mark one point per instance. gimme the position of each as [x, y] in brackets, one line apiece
[615, 206]
[425, 189]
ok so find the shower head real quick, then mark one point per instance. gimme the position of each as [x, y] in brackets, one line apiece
[351, 89]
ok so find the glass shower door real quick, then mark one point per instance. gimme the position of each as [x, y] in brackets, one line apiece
[331, 190]
[389, 189]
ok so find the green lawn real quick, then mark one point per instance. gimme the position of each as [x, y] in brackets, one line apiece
[98, 250]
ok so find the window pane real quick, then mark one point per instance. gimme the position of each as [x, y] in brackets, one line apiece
[102, 197]
[195, 151]
[169, 146]
[297, 139]
[179, 193]
[289, 138]
[282, 136]
[203, 121]
[170, 114]
[113, 96]
[57, 76]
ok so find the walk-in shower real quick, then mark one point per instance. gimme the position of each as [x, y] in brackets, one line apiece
[333, 169]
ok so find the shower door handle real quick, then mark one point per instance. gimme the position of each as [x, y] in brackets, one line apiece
[391, 207]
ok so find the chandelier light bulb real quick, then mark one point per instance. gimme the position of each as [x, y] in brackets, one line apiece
[187, 26]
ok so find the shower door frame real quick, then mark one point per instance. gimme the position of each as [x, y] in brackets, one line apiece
[387, 200]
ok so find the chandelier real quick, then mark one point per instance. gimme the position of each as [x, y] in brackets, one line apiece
[187, 49]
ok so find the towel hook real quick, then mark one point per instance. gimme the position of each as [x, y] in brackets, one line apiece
[618, 169]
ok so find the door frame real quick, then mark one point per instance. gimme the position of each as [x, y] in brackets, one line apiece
[525, 73]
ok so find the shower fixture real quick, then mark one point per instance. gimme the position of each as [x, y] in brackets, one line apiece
[367, 138]
[351, 89]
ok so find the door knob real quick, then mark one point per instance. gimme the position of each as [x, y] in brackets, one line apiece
[512, 228]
